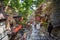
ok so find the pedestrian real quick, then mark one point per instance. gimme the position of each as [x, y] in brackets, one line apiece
[50, 27]
[38, 26]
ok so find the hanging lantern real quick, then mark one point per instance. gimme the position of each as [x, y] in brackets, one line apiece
[15, 30]
[21, 19]
[37, 18]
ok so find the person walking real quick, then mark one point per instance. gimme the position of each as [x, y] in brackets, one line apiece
[50, 28]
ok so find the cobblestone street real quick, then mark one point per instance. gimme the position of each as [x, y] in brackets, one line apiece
[37, 35]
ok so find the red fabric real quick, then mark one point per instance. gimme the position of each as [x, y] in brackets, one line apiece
[17, 28]
[37, 18]
[21, 19]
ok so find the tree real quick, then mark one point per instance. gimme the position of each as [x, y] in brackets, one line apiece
[23, 7]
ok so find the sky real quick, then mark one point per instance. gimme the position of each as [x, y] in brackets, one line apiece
[33, 6]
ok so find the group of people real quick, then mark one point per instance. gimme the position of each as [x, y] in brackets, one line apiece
[38, 28]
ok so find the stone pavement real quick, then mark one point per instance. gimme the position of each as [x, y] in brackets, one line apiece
[37, 35]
